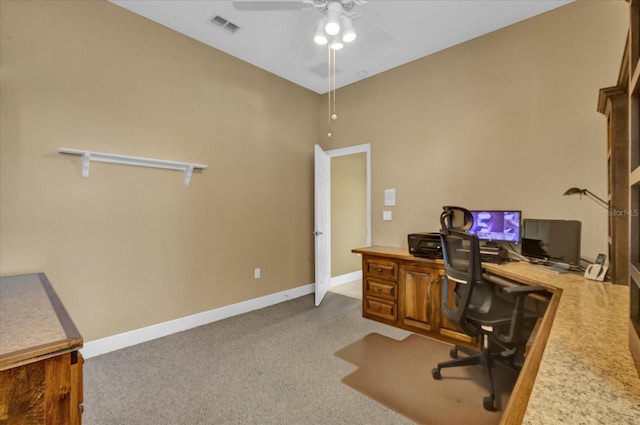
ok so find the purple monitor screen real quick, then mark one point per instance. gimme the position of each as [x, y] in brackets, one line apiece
[497, 226]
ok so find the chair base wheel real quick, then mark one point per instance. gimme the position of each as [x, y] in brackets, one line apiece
[489, 403]
[436, 373]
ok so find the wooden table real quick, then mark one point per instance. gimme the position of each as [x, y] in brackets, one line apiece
[40, 365]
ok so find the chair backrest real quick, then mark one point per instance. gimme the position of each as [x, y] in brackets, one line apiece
[462, 265]
[457, 218]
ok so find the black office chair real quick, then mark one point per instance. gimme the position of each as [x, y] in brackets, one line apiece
[500, 320]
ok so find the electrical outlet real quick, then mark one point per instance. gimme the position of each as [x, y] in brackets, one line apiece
[256, 273]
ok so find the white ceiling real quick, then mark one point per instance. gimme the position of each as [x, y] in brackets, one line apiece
[390, 33]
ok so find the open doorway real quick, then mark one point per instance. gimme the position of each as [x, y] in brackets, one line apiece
[350, 215]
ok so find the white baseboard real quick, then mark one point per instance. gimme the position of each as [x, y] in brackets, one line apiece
[346, 278]
[137, 336]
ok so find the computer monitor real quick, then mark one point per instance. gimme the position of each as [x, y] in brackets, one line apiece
[496, 225]
[552, 240]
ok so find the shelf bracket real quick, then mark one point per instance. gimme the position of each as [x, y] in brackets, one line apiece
[88, 156]
[86, 159]
[188, 171]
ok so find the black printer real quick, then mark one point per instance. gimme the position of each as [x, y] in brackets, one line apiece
[426, 245]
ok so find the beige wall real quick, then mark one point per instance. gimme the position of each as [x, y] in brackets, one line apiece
[131, 247]
[348, 211]
[507, 120]
[504, 121]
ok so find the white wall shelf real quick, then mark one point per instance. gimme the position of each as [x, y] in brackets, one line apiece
[88, 156]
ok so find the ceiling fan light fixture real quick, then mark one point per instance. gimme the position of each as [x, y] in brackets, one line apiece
[336, 44]
[348, 32]
[332, 27]
[320, 37]
[334, 10]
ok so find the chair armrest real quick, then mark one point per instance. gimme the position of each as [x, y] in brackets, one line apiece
[523, 289]
[518, 292]
[511, 287]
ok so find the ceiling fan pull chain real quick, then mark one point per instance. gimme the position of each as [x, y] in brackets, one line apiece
[334, 115]
[329, 88]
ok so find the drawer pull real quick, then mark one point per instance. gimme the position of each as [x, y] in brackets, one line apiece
[379, 270]
[379, 289]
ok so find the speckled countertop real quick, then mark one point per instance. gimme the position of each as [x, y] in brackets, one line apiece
[586, 375]
[33, 323]
[26, 315]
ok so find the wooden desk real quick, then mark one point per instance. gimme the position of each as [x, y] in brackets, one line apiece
[40, 365]
[579, 368]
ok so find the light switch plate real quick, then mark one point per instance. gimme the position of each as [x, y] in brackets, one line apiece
[389, 198]
[386, 215]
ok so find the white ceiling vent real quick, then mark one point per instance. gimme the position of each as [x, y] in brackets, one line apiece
[224, 24]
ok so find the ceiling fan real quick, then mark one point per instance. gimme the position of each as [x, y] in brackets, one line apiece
[334, 28]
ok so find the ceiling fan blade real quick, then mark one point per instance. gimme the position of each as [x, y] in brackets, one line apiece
[366, 28]
[261, 6]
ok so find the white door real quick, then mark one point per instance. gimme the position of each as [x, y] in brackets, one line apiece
[322, 223]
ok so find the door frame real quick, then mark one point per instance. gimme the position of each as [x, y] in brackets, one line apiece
[350, 150]
[365, 148]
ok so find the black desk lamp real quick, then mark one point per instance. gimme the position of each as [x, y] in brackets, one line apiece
[588, 194]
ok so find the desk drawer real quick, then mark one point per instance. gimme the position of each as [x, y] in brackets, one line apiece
[381, 308]
[381, 289]
[381, 269]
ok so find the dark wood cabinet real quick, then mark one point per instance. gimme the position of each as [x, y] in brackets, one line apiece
[621, 105]
[633, 54]
[420, 297]
[380, 289]
[406, 292]
[613, 103]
